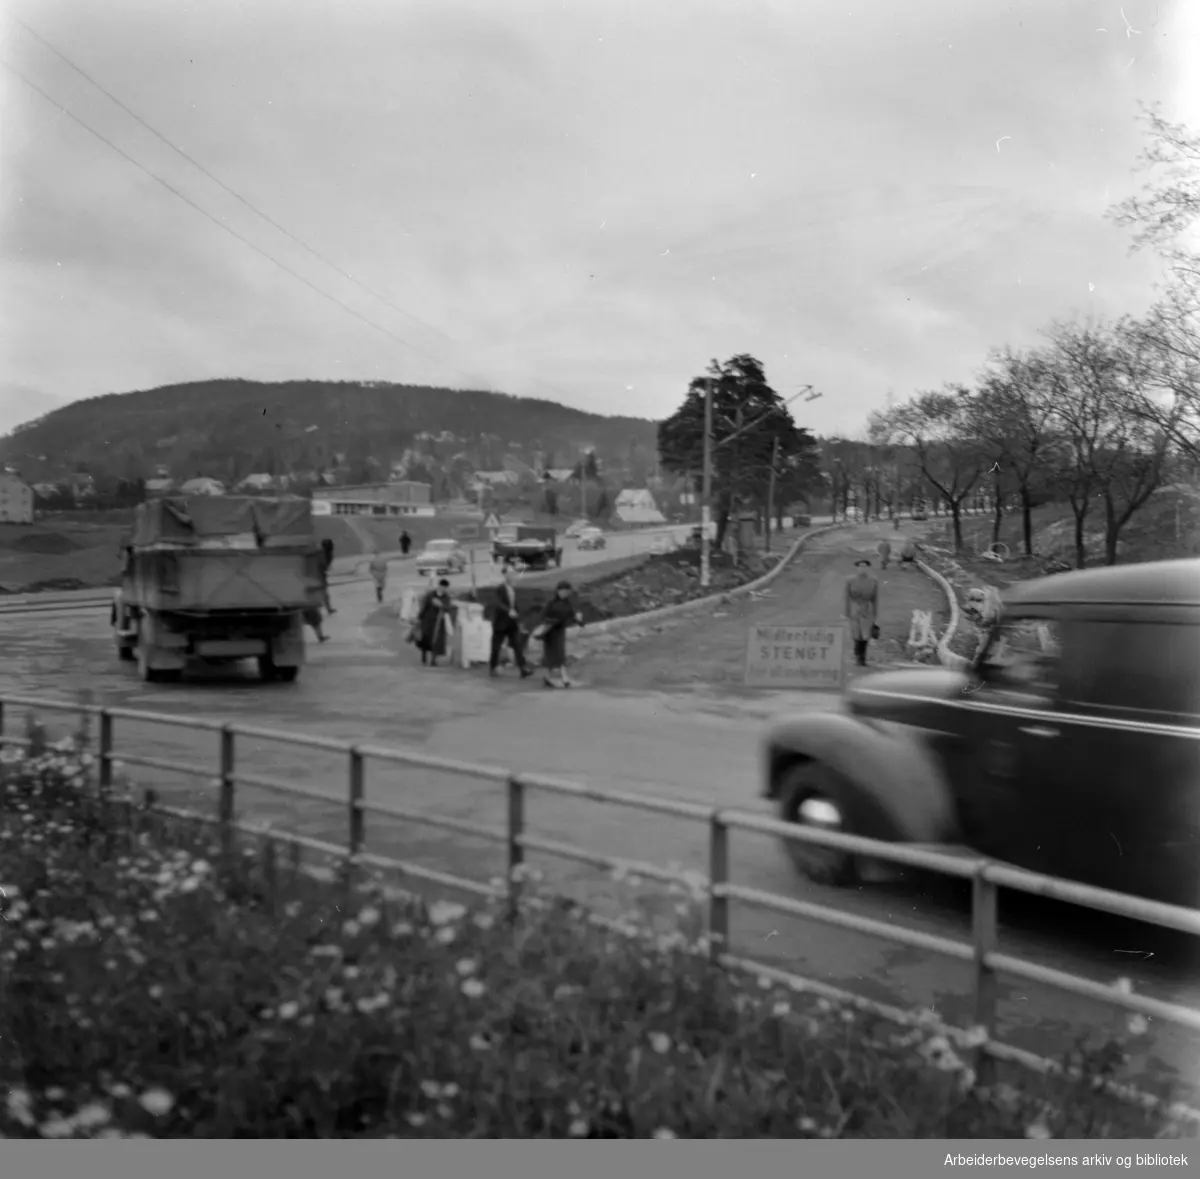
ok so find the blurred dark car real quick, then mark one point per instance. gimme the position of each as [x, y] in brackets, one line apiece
[1070, 746]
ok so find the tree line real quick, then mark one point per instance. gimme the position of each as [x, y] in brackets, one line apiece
[1099, 414]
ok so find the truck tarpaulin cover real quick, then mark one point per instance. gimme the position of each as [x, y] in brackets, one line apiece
[277, 523]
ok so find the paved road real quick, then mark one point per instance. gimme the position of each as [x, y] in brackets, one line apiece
[365, 685]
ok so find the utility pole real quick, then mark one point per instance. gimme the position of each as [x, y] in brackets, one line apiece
[706, 492]
[771, 490]
[583, 512]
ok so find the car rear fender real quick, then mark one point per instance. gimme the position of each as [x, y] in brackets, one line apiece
[899, 774]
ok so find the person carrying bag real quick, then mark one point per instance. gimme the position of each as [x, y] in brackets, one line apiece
[559, 613]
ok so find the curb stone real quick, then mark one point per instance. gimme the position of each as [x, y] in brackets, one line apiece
[946, 657]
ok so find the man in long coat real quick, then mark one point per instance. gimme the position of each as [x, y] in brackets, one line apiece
[506, 625]
[862, 608]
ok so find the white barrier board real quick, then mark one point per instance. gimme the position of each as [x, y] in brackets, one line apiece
[796, 657]
[474, 641]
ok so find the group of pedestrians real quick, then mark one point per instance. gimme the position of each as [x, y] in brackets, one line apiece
[437, 614]
[862, 595]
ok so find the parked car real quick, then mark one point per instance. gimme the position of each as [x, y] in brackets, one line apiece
[1070, 746]
[441, 557]
[592, 538]
[577, 529]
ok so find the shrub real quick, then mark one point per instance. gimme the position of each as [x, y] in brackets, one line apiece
[148, 988]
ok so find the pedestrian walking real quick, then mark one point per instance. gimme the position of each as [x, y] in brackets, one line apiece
[862, 609]
[560, 611]
[506, 626]
[326, 565]
[405, 543]
[908, 554]
[434, 622]
[885, 553]
[379, 572]
[312, 617]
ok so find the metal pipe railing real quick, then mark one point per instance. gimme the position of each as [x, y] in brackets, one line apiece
[986, 876]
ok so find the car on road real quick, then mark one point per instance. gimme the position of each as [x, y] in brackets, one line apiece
[441, 557]
[1069, 746]
[592, 538]
[576, 529]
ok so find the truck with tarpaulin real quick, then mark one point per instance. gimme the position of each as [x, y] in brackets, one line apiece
[529, 546]
[217, 579]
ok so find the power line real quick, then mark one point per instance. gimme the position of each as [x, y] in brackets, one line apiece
[221, 184]
[221, 225]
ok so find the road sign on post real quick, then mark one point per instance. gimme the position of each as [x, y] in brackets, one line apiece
[796, 657]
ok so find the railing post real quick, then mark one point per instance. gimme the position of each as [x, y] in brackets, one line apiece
[984, 923]
[356, 781]
[104, 751]
[718, 875]
[516, 853]
[226, 796]
[1, 724]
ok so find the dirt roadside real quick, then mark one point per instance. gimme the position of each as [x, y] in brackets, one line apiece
[706, 649]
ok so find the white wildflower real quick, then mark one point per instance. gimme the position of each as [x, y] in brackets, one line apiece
[479, 1043]
[578, 1128]
[368, 918]
[484, 921]
[781, 1009]
[55, 1093]
[466, 967]
[157, 1102]
[431, 1089]
[974, 1037]
[415, 1120]
[351, 929]
[660, 1042]
[446, 912]
[56, 1127]
[445, 936]
[93, 1114]
[1138, 1025]
[807, 1125]
[663, 1132]
[289, 1010]
[401, 929]
[1038, 1130]
[472, 988]
[19, 1106]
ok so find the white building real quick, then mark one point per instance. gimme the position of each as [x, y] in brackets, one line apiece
[202, 485]
[402, 498]
[637, 506]
[16, 500]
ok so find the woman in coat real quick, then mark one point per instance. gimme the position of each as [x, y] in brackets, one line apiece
[557, 615]
[433, 623]
[862, 608]
[885, 553]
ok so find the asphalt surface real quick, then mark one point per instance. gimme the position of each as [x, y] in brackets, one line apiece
[365, 685]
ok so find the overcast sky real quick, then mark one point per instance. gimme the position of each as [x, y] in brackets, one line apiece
[582, 201]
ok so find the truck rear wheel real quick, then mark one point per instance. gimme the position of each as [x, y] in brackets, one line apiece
[271, 671]
[814, 795]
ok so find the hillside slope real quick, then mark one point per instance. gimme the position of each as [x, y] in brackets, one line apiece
[231, 428]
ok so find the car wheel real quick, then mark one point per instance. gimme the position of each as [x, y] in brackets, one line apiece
[815, 795]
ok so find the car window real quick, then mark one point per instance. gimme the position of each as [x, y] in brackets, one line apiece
[1024, 655]
[1140, 667]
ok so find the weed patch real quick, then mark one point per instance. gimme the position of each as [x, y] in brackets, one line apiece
[152, 987]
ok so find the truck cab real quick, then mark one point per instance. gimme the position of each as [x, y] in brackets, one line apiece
[1070, 746]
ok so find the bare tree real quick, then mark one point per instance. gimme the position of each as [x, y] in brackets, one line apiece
[1014, 417]
[1112, 445]
[939, 428]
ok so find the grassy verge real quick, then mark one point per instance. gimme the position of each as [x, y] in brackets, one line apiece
[150, 987]
[633, 585]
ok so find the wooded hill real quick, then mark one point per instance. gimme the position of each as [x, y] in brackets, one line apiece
[228, 429]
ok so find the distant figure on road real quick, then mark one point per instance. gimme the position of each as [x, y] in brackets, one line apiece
[908, 554]
[885, 553]
[433, 623]
[558, 614]
[506, 626]
[312, 617]
[896, 521]
[405, 543]
[326, 565]
[379, 572]
[862, 609]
